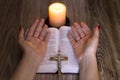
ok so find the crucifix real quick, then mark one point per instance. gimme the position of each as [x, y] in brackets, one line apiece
[59, 58]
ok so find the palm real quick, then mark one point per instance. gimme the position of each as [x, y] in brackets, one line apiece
[36, 40]
[34, 45]
[80, 46]
[82, 40]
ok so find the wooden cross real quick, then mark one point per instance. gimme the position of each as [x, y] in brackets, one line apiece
[59, 58]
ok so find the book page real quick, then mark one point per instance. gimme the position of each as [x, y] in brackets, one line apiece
[48, 66]
[70, 66]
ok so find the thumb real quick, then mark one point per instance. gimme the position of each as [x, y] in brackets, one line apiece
[21, 34]
[96, 32]
[95, 37]
[93, 41]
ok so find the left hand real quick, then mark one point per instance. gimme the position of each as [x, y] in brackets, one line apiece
[79, 38]
[36, 41]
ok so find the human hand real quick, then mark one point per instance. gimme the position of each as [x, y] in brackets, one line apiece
[36, 41]
[83, 41]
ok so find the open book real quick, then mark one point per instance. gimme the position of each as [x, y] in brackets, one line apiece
[59, 41]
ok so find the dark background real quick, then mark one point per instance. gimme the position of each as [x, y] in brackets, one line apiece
[16, 13]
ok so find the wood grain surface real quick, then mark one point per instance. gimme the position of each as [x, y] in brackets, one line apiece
[16, 13]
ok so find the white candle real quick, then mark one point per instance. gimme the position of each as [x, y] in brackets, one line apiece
[57, 14]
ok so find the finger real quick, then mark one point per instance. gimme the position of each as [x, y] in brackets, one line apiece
[47, 37]
[39, 28]
[78, 44]
[43, 32]
[26, 32]
[95, 38]
[96, 32]
[85, 28]
[77, 51]
[79, 57]
[76, 35]
[32, 28]
[79, 29]
[21, 34]
[71, 38]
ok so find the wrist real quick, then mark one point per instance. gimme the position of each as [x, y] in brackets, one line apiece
[88, 55]
[28, 66]
[32, 57]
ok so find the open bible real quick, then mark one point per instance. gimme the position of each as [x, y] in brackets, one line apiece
[59, 42]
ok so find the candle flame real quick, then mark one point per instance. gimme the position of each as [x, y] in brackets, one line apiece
[57, 6]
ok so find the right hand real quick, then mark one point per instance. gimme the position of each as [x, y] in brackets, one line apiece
[82, 40]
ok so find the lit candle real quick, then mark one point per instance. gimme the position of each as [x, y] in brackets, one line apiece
[57, 14]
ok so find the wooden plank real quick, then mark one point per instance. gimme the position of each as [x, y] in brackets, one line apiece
[16, 13]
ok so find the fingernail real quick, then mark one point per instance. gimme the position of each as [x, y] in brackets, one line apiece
[72, 27]
[82, 22]
[99, 27]
[75, 26]
[36, 19]
[46, 26]
[42, 19]
[75, 23]
[19, 28]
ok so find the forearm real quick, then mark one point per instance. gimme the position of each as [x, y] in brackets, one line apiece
[88, 68]
[27, 68]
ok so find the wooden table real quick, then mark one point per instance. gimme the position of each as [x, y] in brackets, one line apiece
[16, 13]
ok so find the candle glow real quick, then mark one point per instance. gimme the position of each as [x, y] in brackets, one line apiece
[57, 14]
